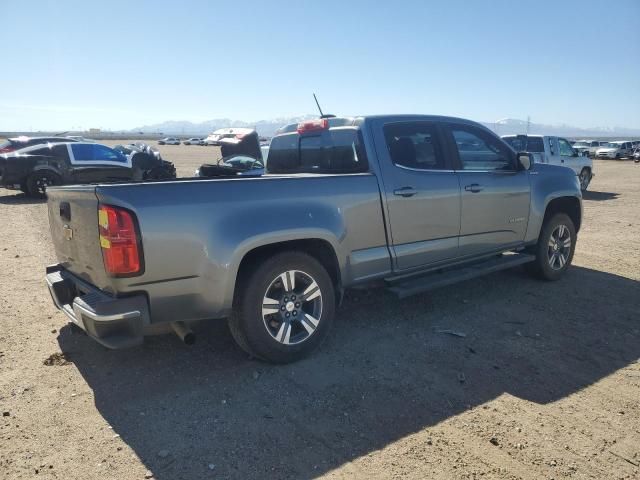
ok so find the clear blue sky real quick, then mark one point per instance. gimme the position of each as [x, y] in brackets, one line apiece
[121, 64]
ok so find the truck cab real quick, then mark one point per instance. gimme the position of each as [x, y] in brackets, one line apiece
[554, 150]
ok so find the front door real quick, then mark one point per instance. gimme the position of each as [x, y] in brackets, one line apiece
[92, 163]
[494, 191]
[422, 194]
[568, 156]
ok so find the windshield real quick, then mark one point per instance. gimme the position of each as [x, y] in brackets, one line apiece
[523, 143]
[580, 145]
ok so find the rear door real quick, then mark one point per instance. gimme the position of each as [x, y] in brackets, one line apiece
[422, 193]
[92, 163]
[494, 191]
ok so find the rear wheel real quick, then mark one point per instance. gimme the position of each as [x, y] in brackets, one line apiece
[284, 310]
[38, 182]
[555, 248]
[585, 179]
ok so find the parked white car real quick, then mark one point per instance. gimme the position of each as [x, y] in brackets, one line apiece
[616, 150]
[192, 141]
[169, 141]
[554, 151]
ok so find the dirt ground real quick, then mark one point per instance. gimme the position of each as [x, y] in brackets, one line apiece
[544, 384]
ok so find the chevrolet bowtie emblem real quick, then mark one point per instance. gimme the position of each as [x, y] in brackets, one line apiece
[68, 232]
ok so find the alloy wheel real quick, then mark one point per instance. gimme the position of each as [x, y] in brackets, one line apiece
[292, 307]
[559, 247]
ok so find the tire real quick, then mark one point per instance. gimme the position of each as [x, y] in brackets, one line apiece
[558, 240]
[263, 322]
[38, 182]
[585, 179]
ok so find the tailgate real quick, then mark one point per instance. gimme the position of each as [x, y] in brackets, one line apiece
[73, 220]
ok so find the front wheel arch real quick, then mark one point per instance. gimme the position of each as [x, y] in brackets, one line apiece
[567, 205]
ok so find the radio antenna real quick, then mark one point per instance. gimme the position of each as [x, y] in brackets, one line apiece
[318, 104]
[322, 115]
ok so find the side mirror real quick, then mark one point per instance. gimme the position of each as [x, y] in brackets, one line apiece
[525, 160]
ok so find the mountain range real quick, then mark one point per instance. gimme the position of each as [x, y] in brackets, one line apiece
[267, 128]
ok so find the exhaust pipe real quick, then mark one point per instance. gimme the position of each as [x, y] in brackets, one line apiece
[184, 333]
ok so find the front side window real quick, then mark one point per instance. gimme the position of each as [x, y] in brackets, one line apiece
[566, 150]
[478, 151]
[106, 154]
[91, 152]
[414, 145]
[82, 151]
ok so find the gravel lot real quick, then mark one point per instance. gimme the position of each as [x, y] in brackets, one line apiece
[544, 384]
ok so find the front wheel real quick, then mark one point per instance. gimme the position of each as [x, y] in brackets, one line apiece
[585, 179]
[555, 248]
[284, 309]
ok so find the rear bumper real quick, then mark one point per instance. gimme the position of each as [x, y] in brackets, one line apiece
[115, 322]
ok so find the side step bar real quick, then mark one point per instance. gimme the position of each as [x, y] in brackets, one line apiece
[423, 283]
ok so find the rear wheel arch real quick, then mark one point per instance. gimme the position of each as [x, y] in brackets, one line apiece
[567, 205]
[317, 248]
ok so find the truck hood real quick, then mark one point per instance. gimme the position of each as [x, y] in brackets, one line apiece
[607, 150]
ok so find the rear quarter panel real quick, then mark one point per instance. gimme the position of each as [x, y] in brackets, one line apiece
[196, 233]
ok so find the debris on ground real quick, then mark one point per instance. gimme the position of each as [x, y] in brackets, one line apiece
[57, 359]
[494, 441]
[451, 332]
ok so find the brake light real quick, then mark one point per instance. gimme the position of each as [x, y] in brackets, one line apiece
[313, 125]
[7, 149]
[120, 241]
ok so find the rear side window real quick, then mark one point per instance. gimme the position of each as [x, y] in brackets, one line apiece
[331, 151]
[414, 145]
[45, 151]
[61, 152]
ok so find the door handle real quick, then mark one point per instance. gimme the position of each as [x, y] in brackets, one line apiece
[474, 187]
[405, 192]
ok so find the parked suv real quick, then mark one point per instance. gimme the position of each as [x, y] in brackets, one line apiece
[616, 150]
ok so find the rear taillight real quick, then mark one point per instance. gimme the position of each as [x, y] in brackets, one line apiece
[120, 241]
[7, 149]
[313, 125]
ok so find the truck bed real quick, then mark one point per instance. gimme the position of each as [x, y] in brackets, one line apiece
[196, 231]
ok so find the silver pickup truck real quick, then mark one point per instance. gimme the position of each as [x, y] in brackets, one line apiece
[411, 202]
